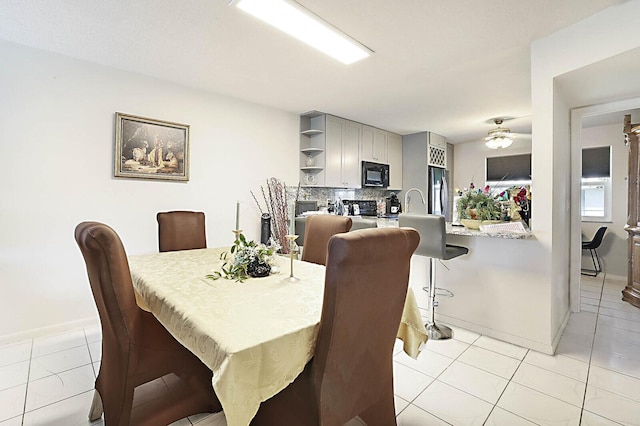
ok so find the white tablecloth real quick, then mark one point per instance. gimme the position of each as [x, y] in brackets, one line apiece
[256, 336]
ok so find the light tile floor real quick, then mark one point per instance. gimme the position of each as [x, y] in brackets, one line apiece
[594, 378]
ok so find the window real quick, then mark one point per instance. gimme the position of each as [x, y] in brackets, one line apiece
[595, 193]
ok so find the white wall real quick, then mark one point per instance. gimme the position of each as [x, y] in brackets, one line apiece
[603, 35]
[613, 251]
[511, 275]
[469, 160]
[556, 158]
[57, 137]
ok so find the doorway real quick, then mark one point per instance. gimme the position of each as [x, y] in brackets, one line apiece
[603, 115]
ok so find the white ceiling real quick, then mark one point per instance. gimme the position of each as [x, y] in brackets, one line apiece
[613, 79]
[443, 66]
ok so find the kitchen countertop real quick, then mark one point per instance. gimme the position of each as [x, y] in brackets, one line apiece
[461, 230]
[360, 222]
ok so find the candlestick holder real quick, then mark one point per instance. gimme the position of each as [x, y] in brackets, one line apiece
[292, 254]
[237, 232]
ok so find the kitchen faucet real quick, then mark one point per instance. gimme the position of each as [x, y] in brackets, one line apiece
[407, 198]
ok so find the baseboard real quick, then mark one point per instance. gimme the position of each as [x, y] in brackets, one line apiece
[560, 330]
[616, 277]
[49, 330]
[496, 334]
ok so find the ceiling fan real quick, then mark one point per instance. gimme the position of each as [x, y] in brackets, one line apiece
[501, 137]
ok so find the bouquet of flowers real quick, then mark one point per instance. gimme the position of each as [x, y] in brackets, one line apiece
[249, 259]
[478, 205]
[518, 200]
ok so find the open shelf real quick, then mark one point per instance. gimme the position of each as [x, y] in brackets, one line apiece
[312, 151]
[312, 132]
[312, 148]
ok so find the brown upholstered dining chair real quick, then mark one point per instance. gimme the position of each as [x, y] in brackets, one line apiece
[351, 373]
[317, 232]
[136, 348]
[181, 230]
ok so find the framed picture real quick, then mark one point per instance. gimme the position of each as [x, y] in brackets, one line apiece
[151, 149]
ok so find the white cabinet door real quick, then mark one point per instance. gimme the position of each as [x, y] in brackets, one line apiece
[342, 153]
[394, 153]
[351, 154]
[366, 144]
[379, 146]
[333, 151]
[373, 145]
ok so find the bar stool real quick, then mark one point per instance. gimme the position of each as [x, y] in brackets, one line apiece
[433, 244]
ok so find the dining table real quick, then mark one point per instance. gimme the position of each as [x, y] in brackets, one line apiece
[256, 335]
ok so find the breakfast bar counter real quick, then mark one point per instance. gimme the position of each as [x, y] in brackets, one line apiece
[510, 235]
[499, 288]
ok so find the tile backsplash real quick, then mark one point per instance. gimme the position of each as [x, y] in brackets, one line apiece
[322, 195]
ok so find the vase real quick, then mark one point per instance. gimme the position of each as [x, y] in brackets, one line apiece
[470, 223]
[258, 269]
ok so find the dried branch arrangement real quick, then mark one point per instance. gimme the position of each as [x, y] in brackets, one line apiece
[275, 199]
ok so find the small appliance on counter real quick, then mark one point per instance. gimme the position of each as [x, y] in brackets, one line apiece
[394, 208]
[265, 228]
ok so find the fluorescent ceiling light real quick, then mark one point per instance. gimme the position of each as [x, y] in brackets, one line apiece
[295, 20]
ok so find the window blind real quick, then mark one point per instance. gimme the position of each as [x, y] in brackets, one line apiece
[510, 167]
[596, 162]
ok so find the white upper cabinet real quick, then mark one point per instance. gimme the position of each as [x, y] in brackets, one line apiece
[437, 150]
[351, 154]
[342, 153]
[332, 150]
[374, 145]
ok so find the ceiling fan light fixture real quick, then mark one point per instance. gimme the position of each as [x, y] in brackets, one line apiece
[495, 142]
[499, 137]
[302, 24]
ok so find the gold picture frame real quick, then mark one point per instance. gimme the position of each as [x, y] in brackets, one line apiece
[146, 148]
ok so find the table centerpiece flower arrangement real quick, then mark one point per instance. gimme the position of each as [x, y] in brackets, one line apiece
[247, 259]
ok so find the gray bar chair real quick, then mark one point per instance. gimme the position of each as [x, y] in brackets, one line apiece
[433, 244]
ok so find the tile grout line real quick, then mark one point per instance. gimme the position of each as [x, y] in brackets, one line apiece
[505, 388]
[436, 378]
[24, 409]
[593, 342]
[520, 361]
[591, 356]
[26, 389]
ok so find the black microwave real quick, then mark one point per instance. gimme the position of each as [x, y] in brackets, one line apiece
[375, 174]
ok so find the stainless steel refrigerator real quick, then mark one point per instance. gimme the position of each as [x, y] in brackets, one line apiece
[438, 192]
[434, 182]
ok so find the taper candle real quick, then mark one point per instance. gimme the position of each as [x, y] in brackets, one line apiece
[237, 215]
[293, 220]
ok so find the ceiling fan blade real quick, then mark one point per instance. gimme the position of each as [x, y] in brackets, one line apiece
[521, 135]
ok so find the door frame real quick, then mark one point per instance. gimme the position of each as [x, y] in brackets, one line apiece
[577, 115]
